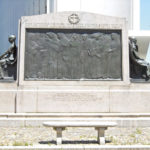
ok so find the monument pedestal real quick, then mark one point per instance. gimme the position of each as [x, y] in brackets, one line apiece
[88, 99]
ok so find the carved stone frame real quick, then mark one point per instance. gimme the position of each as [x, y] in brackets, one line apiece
[87, 21]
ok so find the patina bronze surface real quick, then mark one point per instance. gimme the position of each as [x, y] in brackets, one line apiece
[73, 54]
[139, 68]
[8, 61]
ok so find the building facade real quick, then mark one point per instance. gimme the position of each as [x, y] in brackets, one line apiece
[135, 11]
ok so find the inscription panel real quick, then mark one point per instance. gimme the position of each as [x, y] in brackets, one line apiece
[73, 54]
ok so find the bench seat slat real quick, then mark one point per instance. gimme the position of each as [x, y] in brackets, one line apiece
[78, 124]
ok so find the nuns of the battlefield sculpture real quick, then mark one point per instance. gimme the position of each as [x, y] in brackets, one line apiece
[138, 66]
[9, 57]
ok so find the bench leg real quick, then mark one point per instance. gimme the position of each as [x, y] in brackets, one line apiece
[101, 135]
[59, 135]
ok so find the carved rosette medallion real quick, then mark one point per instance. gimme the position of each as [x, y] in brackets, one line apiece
[73, 19]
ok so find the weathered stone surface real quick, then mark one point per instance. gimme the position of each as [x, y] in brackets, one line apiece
[7, 101]
[8, 93]
[26, 99]
[73, 100]
[133, 98]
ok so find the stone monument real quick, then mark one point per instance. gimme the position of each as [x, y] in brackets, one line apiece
[69, 61]
[73, 62]
[70, 47]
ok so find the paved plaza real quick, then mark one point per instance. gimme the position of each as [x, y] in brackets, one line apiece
[42, 136]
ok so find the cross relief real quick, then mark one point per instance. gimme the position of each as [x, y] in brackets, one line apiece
[74, 19]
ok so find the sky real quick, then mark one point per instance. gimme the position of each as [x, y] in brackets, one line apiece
[145, 14]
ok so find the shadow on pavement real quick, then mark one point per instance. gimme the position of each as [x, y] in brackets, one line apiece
[72, 142]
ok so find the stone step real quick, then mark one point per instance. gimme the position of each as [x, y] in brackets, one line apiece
[122, 122]
[73, 115]
[36, 119]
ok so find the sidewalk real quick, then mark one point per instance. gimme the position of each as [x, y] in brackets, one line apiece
[42, 136]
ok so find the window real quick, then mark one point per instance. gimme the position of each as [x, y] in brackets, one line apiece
[145, 14]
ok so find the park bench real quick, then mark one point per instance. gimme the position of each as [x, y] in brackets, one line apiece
[100, 126]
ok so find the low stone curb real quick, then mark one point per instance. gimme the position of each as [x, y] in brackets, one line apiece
[76, 147]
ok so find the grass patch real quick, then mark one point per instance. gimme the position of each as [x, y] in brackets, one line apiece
[138, 131]
[18, 144]
[21, 144]
[132, 135]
